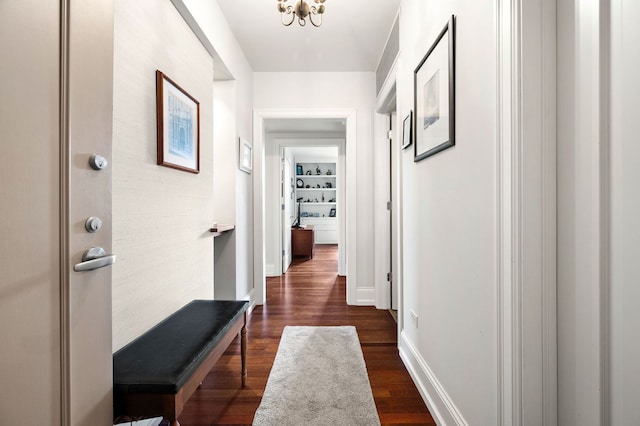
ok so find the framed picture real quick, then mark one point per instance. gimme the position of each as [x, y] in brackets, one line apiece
[434, 96]
[407, 130]
[332, 212]
[299, 169]
[178, 123]
[246, 156]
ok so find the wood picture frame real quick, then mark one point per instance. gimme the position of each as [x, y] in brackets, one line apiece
[178, 126]
[245, 155]
[407, 131]
[434, 96]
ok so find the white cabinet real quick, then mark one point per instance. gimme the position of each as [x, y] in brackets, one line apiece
[316, 194]
[326, 229]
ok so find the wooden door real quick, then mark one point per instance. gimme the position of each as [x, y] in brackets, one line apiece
[55, 110]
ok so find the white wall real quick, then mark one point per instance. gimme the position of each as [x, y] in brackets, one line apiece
[355, 90]
[236, 185]
[598, 207]
[449, 222]
[160, 215]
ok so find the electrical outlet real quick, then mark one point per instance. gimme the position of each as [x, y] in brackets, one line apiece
[414, 317]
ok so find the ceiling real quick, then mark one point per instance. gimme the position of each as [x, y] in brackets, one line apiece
[351, 38]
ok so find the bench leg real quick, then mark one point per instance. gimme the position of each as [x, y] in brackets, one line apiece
[243, 354]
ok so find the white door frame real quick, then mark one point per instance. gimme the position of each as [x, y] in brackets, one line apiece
[259, 116]
[280, 144]
[526, 206]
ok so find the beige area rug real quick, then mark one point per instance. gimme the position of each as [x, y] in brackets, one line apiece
[318, 378]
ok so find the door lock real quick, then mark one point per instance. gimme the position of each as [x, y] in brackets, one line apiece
[98, 162]
[93, 224]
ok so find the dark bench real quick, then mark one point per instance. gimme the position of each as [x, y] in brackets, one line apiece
[156, 374]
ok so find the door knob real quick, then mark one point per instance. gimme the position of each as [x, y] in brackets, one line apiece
[94, 258]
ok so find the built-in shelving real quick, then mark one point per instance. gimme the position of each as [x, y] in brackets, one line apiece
[316, 196]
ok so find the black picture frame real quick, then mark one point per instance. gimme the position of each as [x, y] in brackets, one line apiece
[407, 130]
[332, 212]
[299, 171]
[434, 96]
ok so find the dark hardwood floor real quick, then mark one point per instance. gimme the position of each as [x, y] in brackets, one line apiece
[310, 293]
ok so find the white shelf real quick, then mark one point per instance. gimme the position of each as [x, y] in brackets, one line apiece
[303, 203]
[326, 227]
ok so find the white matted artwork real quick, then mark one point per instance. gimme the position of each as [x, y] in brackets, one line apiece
[178, 126]
[434, 96]
[246, 155]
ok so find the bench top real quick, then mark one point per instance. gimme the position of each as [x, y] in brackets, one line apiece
[163, 358]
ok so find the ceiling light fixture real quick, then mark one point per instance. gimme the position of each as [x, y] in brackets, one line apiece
[301, 10]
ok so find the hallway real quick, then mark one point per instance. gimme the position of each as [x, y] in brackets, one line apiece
[310, 293]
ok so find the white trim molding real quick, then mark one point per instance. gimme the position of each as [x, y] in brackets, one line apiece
[440, 404]
[365, 296]
[526, 205]
[605, 69]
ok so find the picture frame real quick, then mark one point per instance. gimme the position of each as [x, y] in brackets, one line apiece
[434, 96]
[407, 130]
[245, 155]
[178, 126]
[299, 171]
[332, 212]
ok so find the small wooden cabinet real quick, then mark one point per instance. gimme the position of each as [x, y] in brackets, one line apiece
[302, 241]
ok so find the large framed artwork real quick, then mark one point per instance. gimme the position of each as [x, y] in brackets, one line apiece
[434, 96]
[178, 120]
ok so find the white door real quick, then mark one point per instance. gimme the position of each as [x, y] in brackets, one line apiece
[55, 111]
[286, 212]
[394, 147]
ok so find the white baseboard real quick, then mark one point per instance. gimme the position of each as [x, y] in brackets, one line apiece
[271, 270]
[251, 297]
[366, 296]
[440, 405]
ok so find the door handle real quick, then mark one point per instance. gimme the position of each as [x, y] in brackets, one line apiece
[94, 258]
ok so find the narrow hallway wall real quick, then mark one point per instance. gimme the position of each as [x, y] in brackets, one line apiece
[160, 215]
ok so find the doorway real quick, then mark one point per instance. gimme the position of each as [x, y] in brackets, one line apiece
[310, 196]
[270, 135]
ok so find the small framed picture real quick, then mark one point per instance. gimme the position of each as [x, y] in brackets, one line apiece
[332, 212]
[246, 156]
[407, 130]
[434, 96]
[299, 170]
[178, 126]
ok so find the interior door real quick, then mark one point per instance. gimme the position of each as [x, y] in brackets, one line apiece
[286, 206]
[55, 111]
[30, 347]
[394, 148]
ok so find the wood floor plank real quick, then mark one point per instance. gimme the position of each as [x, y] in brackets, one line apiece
[310, 293]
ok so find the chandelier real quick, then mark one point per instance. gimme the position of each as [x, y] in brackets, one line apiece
[301, 10]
